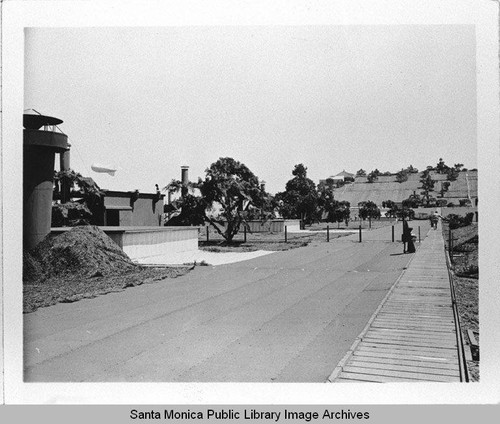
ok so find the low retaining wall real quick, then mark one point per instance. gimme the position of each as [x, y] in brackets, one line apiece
[292, 225]
[272, 226]
[144, 242]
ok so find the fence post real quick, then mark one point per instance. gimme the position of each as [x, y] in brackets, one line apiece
[393, 233]
[450, 246]
[245, 234]
[286, 234]
[208, 237]
[327, 233]
[360, 237]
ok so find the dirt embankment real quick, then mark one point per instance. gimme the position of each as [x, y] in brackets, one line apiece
[466, 282]
[81, 263]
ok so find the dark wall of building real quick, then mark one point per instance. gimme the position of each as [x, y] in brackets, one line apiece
[124, 209]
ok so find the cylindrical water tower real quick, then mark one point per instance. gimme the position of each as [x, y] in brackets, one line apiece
[41, 142]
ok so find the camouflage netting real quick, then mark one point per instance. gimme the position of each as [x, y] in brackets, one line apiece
[83, 250]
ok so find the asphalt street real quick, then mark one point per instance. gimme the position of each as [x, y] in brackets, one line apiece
[287, 317]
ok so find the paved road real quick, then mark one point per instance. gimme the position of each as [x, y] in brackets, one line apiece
[289, 316]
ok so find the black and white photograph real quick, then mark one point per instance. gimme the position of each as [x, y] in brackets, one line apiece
[253, 201]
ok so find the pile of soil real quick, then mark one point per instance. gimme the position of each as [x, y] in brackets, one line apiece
[85, 250]
[79, 264]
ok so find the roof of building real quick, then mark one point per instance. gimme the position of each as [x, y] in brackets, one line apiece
[344, 173]
[340, 175]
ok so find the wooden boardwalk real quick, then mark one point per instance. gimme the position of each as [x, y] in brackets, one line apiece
[412, 336]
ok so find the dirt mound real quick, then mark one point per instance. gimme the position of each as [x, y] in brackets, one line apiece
[31, 268]
[84, 250]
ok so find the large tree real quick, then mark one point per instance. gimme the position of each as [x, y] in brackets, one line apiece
[300, 198]
[441, 167]
[341, 212]
[402, 176]
[230, 185]
[368, 210]
[427, 186]
[413, 201]
[330, 209]
[326, 198]
[372, 176]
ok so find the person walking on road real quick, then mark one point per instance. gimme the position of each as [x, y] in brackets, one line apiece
[411, 241]
[406, 236]
[435, 219]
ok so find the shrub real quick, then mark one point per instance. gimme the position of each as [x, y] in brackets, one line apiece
[70, 214]
[402, 176]
[456, 221]
[468, 271]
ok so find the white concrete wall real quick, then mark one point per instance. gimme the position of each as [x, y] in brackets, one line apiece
[270, 226]
[292, 225]
[137, 244]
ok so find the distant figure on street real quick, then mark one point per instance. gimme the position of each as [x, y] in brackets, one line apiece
[406, 236]
[411, 241]
[434, 218]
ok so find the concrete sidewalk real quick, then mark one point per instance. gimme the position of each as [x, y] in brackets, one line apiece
[412, 336]
[199, 256]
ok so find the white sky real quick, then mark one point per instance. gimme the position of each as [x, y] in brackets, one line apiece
[149, 100]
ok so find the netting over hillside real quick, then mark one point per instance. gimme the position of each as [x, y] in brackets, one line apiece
[387, 188]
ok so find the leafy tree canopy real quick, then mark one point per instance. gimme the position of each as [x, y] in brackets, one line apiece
[368, 210]
[71, 212]
[441, 167]
[402, 176]
[235, 188]
[427, 186]
[300, 198]
[372, 176]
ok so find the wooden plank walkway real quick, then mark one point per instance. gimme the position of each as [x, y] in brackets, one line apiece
[412, 335]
